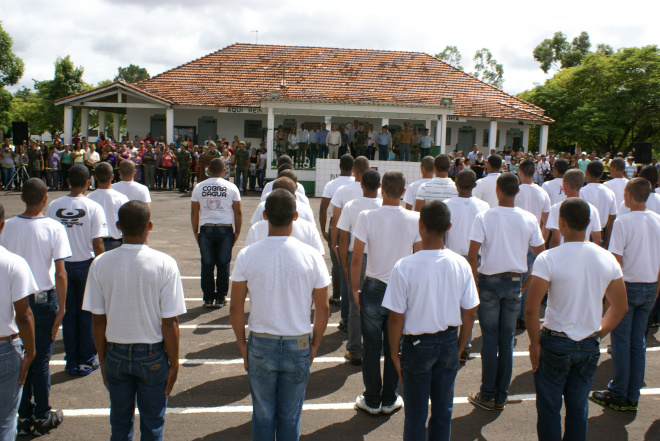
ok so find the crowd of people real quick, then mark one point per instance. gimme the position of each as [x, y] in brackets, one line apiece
[410, 281]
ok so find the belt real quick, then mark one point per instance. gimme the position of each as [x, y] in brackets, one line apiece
[9, 337]
[334, 145]
[143, 347]
[383, 145]
[563, 334]
[278, 337]
[500, 275]
[217, 225]
[449, 329]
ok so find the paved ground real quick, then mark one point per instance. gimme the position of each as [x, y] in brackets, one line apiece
[211, 400]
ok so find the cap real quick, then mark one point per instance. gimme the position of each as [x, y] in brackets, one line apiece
[242, 142]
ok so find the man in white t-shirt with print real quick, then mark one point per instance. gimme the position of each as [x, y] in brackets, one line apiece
[370, 200]
[283, 278]
[439, 188]
[485, 189]
[387, 234]
[426, 168]
[136, 330]
[554, 187]
[16, 333]
[430, 294]
[600, 197]
[44, 244]
[215, 207]
[564, 353]
[85, 225]
[635, 243]
[503, 262]
[619, 180]
[304, 210]
[110, 200]
[134, 191]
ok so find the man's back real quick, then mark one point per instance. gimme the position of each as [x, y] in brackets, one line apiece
[617, 185]
[438, 188]
[463, 212]
[410, 195]
[602, 198]
[533, 199]
[302, 230]
[134, 191]
[553, 221]
[636, 237]
[111, 200]
[555, 190]
[485, 189]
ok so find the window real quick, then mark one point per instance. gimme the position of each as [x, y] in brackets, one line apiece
[486, 138]
[486, 133]
[252, 128]
[448, 136]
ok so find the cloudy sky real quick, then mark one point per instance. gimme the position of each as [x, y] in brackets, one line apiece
[101, 35]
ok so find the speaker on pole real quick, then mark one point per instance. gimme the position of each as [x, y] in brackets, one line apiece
[19, 130]
[643, 152]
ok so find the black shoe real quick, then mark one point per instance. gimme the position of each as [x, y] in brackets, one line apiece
[208, 304]
[607, 399]
[632, 406]
[25, 426]
[42, 427]
[336, 301]
[220, 303]
[342, 326]
[353, 361]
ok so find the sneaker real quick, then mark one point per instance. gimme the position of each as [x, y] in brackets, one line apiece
[500, 406]
[220, 303]
[353, 361]
[632, 406]
[655, 323]
[478, 400]
[25, 425]
[73, 371]
[464, 357]
[208, 304]
[607, 399]
[89, 367]
[342, 326]
[361, 403]
[388, 410]
[335, 301]
[42, 427]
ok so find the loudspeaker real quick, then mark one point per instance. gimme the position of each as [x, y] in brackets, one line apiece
[643, 152]
[19, 131]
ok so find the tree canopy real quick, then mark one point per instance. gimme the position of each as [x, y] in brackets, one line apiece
[486, 68]
[451, 56]
[11, 66]
[132, 74]
[557, 53]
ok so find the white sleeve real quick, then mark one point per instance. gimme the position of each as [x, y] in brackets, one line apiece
[146, 196]
[612, 205]
[172, 302]
[251, 236]
[536, 239]
[478, 234]
[336, 199]
[326, 190]
[61, 246]
[396, 294]
[546, 203]
[553, 219]
[93, 300]
[258, 214]
[594, 220]
[470, 297]
[421, 193]
[344, 222]
[541, 267]
[617, 239]
[22, 281]
[361, 230]
[99, 224]
[322, 275]
[238, 274]
[315, 240]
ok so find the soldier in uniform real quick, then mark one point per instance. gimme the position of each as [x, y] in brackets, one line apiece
[360, 141]
[183, 158]
[35, 161]
[213, 151]
[241, 163]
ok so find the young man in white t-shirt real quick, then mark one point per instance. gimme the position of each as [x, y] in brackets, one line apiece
[439, 188]
[284, 160]
[635, 243]
[16, 333]
[503, 262]
[565, 352]
[485, 189]
[619, 180]
[650, 173]
[410, 196]
[554, 187]
[283, 278]
[600, 197]
[133, 190]
[110, 200]
[44, 244]
[430, 294]
[387, 234]
[369, 201]
[215, 206]
[304, 210]
[136, 330]
[86, 227]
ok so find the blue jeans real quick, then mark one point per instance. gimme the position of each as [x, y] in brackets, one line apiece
[383, 152]
[530, 262]
[136, 373]
[77, 334]
[344, 291]
[323, 152]
[278, 373]
[336, 269]
[566, 370]
[429, 370]
[37, 382]
[7, 173]
[374, 339]
[215, 244]
[404, 152]
[313, 153]
[11, 359]
[629, 342]
[499, 305]
[354, 343]
[425, 152]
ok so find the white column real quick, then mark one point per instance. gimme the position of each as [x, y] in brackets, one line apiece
[115, 126]
[270, 137]
[543, 140]
[427, 125]
[169, 125]
[68, 124]
[101, 122]
[385, 122]
[525, 137]
[442, 129]
[84, 122]
[328, 122]
[492, 136]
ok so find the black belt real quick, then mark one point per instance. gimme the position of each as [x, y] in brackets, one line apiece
[500, 275]
[449, 329]
[552, 333]
[110, 240]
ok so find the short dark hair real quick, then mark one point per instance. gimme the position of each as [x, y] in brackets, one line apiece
[285, 183]
[466, 179]
[284, 159]
[78, 176]
[280, 207]
[639, 189]
[650, 173]
[435, 216]
[216, 167]
[495, 161]
[360, 165]
[371, 180]
[126, 169]
[2, 213]
[393, 184]
[103, 172]
[508, 184]
[428, 163]
[527, 167]
[618, 164]
[561, 165]
[289, 174]
[574, 178]
[133, 218]
[576, 213]
[441, 163]
[595, 169]
[346, 163]
[34, 191]
[283, 167]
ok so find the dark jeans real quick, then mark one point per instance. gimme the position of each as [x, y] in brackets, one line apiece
[11, 360]
[425, 152]
[530, 262]
[77, 324]
[374, 339]
[64, 175]
[323, 152]
[215, 244]
[383, 154]
[312, 155]
[336, 270]
[429, 364]
[261, 175]
[7, 173]
[37, 382]
[252, 179]
[136, 373]
[566, 370]
[354, 343]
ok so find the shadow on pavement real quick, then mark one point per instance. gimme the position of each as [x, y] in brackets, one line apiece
[354, 429]
[238, 433]
[220, 392]
[610, 424]
[328, 381]
[468, 427]
[654, 431]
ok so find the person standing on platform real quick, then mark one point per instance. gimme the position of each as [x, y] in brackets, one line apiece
[241, 162]
[333, 140]
[183, 159]
[322, 142]
[425, 144]
[384, 142]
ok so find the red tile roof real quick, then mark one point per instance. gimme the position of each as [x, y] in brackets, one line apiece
[118, 84]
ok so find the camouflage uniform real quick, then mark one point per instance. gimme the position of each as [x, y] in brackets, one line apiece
[242, 158]
[183, 158]
[34, 162]
[360, 142]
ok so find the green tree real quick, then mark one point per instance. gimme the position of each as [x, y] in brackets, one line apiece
[557, 53]
[487, 69]
[451, 56]
[11, 66]
[132, 74]
[5, 107]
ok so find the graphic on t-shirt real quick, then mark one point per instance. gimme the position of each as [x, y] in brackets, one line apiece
[70, 219]
[214, 191]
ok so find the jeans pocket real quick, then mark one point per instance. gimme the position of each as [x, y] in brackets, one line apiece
[257, 365]
[416, 360]
[112, 366]
[7, 363]
[588, 368]
[303, 368]
[554, 367]
[155, 371]
[452, 356]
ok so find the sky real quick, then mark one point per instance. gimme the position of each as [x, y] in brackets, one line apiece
[102, 35]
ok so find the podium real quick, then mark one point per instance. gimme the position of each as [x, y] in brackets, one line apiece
[203, 167]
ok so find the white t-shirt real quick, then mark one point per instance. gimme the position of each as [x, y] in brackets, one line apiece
[617, 185]
[555, 190]
[16, 283]
[502, 251]
[304, 231]
[347, 193]
[334, 185]
[133, 190]
[602, 198]
[350, 212]
[299, 189]
[652, 204]
[304, 212]
[410, 196]
[111, 201]
[485, 189]
[636, 237]
[533, 199]
[299, 196]
[40, 241]
[148, 290]
[573, 268]
[630, 170]
[430, 288]
[281, 273]
[389, 234]
[84, 220]
[216, 197]
[463, 212]
[553, 222]
[437, 189]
